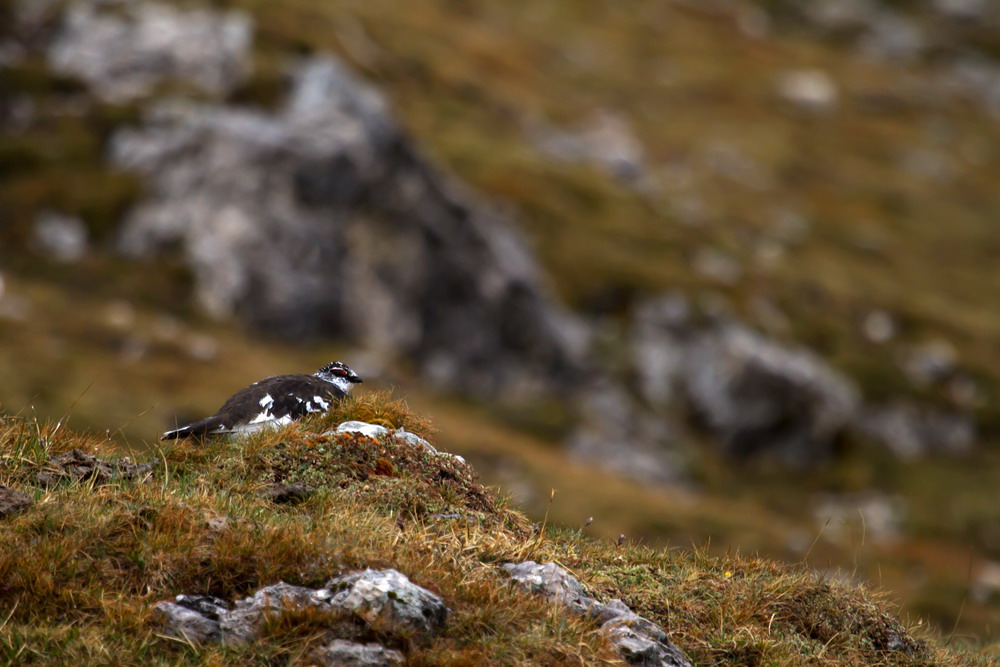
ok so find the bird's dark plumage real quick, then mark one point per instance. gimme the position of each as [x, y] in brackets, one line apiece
[275, 401]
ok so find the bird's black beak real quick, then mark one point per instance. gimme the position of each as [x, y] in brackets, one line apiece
[355, 379]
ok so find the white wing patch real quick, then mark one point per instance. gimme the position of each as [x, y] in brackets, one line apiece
[264, 416]
[323, 404]
[267, 402]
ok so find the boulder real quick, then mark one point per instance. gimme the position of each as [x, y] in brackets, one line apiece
[764, 399]
[321, 219]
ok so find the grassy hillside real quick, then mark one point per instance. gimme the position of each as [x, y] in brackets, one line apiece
[84, 564]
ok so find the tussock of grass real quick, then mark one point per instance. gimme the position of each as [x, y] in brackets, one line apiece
[379, 407]
[81, 569]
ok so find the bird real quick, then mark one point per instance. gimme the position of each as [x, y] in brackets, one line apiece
[274, 402]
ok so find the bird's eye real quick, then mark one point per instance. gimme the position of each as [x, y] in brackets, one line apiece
[339, 371]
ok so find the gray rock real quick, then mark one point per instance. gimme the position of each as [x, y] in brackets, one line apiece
[382, 434]
[879, 326]
[184, 623]
[389, 602]
[62, 237]
[911, 432]
[552, 581]
[606, 140]
[415, 440]
[242, 624]
[206, 605]
[717, 265]
[657, 355]
[124, 49]
[12, 502]
[841, 517]
[639, 641]
[810, 90]
[616, 432]
[322, 219]
[637, 648]
[930, 362]
[384, 599]
[375, 431]
[765, 399]
[841, 15]
[341, 653]
[893, 36]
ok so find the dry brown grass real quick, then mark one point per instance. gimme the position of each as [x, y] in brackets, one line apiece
[83, 566]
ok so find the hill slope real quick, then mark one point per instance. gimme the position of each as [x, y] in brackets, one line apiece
[103, 542]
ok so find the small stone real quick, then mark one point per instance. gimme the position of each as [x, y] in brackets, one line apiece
[187, 624]
[12, 502]
[553, 582]
[414, 439]
[879, 326]
[930, 362]
[810, 90]
[341, 653]
[717, 266]
[374, 431]
[62, 237]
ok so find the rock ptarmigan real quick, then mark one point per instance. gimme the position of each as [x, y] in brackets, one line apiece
[273, 402]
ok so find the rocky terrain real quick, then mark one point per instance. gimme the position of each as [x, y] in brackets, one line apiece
[674, 313]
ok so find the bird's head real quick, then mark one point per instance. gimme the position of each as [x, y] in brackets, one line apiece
[339, 374]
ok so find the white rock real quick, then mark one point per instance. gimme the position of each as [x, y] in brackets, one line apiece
[810, 90]
[364, 428]
[62, 237]
[389, 602]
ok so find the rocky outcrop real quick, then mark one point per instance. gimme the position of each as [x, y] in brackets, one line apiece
[124, 49]
[322, 219]
[910, 432]
[762, 398]
[639, 641]
[385, 601]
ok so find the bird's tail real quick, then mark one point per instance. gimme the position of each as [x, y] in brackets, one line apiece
[199, 428]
